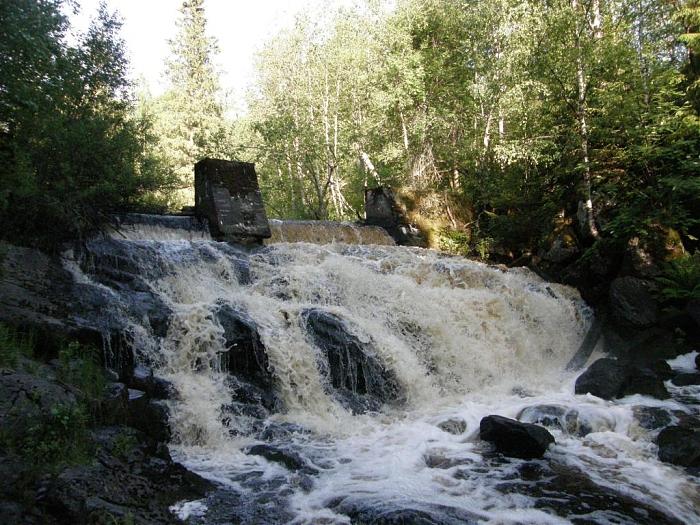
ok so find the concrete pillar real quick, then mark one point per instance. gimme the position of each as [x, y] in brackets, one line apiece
[227, 194]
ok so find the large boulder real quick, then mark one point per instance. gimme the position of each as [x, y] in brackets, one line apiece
[632, 303]
[515, 439]
[644, 381]
[354, 374]
[610, 378]
[383, 209]
[605, 378]
[680, 446]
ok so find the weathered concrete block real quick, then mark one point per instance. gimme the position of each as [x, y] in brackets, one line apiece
[228, 195]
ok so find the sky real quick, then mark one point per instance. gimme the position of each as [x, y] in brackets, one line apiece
[240, 26]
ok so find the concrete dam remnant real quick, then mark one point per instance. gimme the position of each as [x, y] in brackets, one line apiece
[228, 196]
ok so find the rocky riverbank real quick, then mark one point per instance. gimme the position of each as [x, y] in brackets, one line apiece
[82, 308]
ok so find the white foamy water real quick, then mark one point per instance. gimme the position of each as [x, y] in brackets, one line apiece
[463, 340]
[327, 232]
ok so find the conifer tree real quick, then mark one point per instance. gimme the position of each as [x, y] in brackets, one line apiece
[191, 124]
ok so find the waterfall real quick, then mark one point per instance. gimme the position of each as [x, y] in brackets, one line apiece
[344, 359]
[326, 232]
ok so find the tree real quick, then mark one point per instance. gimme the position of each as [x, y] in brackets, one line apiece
[70, 152]
[190, 120]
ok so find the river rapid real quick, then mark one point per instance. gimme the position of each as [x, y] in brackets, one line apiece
[442, 342]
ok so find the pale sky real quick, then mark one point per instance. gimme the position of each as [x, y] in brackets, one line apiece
[240, 26]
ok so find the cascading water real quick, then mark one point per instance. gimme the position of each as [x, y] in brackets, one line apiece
[345, 384]
[327, 232]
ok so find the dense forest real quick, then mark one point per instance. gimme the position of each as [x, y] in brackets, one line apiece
[504, 125]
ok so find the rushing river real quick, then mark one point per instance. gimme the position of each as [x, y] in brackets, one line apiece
[446, 341]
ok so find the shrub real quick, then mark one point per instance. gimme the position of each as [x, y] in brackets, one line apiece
[681, 279]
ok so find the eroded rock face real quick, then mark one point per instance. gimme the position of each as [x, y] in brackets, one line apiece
[515, 439]
[631, 302]
[356, 378]
[131, 477]
[245, 355]
[24, 398]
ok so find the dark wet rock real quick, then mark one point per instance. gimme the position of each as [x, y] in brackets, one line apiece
[556, 416]
[609, 378]
[290, 459]
[605, 379]
[142, 378]
[515, 439]
[24, 398]
[131, 479]
[569, 493]
[661, 369]
[692, 309]
[145, 305]
[148, 416]
[686, 379]
[697, 361]
[632, 303]
[640, 259]
[652, 418]
[382, 209]
[355, 376]
[251, 403]
[245, 355]
[381, 513]
[439, 461]
[274, 431]
[453, 426]
[115, 403]
[680, 446]
[645, 382]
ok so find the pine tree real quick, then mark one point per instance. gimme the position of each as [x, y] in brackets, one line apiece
[191, 124]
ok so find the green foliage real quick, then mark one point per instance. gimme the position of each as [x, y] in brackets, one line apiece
[70, 151]
[52, 441]
[681, 279]
[454, 241]
[59, 439]
[80, 367]
[522, 108]
[13, 345]
[187, 121]
[124, 444]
